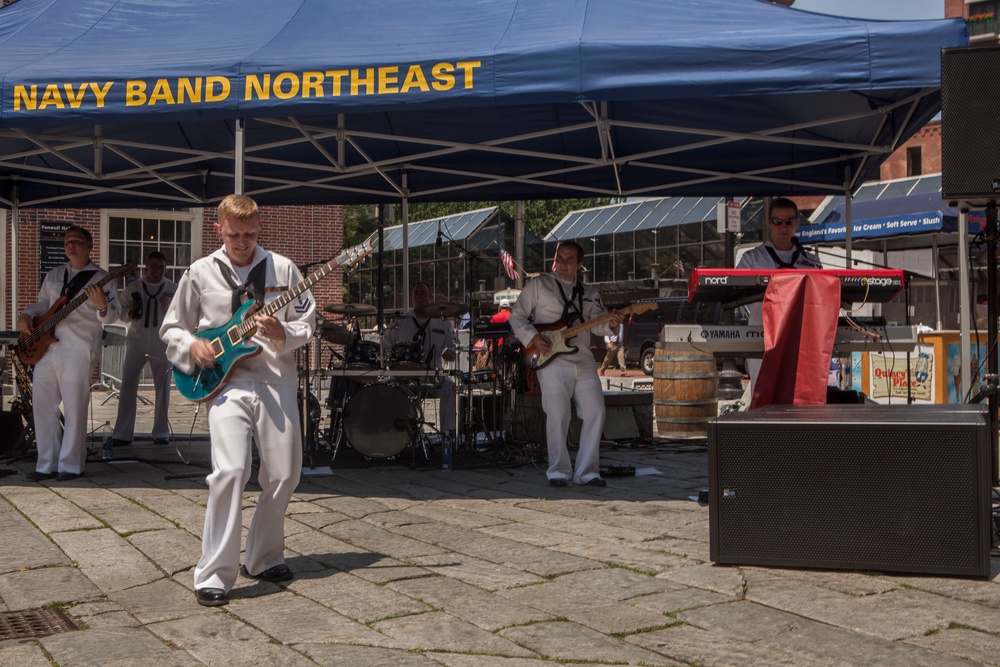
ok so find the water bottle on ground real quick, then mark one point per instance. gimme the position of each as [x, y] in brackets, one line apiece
[446, 453]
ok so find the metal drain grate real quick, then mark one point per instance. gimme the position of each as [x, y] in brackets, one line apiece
[38, 622]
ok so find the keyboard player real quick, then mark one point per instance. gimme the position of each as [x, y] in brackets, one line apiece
[781, 251]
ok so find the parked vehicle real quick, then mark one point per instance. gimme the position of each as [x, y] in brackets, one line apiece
[642, 331]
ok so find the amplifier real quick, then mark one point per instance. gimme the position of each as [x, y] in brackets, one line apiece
[860, 487]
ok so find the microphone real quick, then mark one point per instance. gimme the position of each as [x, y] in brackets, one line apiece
[437, 244]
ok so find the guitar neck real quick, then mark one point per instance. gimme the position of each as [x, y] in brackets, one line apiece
[583, 326]
[287, 297]
[75, 302]
[348, 256]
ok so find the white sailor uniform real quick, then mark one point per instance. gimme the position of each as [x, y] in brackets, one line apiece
[144, 345]
[437, 336]
[570, 377]
[258, 405]
[63, 374]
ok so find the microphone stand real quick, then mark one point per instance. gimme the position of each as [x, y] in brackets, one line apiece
[468, 415]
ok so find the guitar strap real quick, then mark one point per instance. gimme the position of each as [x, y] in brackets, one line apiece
[790, 264]
[420, 335]
[779, 264]
[71, 287]
[152, 305]
[568, 305]
[253, 288]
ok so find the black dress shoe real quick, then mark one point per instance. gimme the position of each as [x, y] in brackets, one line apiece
[40, 476]
[69, 476]
[121, 443]
[558, 481]
[211, 597]
[161, 441]
[597, 481]
[274, 574]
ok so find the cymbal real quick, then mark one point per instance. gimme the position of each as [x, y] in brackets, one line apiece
[335, 334]
[440, 309]
[350, 309]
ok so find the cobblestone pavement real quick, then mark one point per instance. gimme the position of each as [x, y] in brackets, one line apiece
[481, 565]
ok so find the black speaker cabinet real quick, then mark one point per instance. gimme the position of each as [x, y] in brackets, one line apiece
[970, 135]
[11, 425]
[859, 487]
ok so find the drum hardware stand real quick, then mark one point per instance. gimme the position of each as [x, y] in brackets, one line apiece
[414, 426]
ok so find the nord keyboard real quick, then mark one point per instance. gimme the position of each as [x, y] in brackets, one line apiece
[747, 285]
[748, 341]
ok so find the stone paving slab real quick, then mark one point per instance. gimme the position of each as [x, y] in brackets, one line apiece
[471, 603]
[466, 568]
[580, 605]
[689, 645]
[298, 620]
[440, 631]
[173, 550]
[978, 647]
[221, 639]
[40, 587]
[570, 641]
[108, 559]
[118, 647]
[22, 545]
[46, 508]
[356, 598]
[117, 512]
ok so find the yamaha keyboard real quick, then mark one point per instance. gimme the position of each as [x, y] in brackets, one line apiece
[748, 285]
[748, 341]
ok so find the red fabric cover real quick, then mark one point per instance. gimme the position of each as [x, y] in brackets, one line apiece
[800, 324]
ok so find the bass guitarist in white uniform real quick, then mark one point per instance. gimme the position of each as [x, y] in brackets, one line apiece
[568, 377]
[63, 374]
[257, 405]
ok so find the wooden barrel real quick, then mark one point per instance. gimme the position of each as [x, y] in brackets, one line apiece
[685, 393]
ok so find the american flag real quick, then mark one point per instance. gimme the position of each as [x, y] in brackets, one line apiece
[553, 258]
[678, 266]
[508, 265]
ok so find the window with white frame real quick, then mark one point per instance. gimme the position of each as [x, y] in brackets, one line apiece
[132, 235]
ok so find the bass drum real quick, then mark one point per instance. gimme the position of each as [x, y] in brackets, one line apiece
[376, 419]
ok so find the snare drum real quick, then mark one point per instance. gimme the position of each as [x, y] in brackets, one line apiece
[362, 356]
[406, 356]
[377, 419]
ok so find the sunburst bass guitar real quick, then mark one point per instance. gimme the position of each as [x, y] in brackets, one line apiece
[232, 341]
[31, 347]
[558, 333]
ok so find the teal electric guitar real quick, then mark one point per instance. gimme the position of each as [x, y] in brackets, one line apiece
[232, 342]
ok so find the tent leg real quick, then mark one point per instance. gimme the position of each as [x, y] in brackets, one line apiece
[991, 327]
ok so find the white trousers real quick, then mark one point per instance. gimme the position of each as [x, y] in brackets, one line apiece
[136, 358]
[62, 376]
[563, 382]
[246, 413]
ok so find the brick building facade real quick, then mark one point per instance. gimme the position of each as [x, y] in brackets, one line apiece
[304, 234]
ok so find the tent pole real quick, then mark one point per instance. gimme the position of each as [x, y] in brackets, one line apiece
[14, 245]
[3, 269]
[937, 284]
[849, 215]
[240, 156]
[404, 212]
[964, 308]
[991, 328]
[519, 240]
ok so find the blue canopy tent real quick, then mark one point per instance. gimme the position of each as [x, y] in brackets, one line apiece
[123, 102]
[133, 103]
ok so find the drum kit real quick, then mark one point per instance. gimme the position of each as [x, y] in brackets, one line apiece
[375, 399]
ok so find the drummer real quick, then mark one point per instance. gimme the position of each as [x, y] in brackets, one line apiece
[426, 343]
